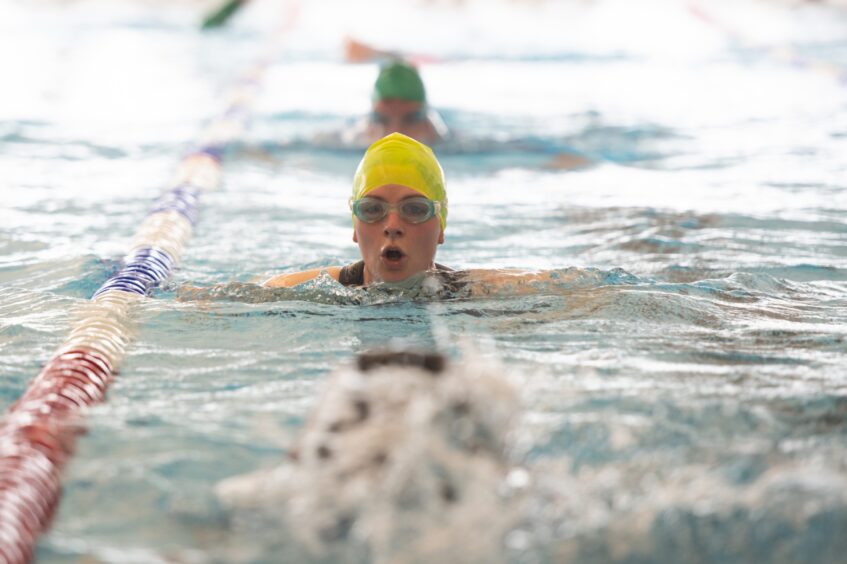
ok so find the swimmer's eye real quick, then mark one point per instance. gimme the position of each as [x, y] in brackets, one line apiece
[414, 117]
[416, 209]
[379, 118]
[370, 210]
[408, 119]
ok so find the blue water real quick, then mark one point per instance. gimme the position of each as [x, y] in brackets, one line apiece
[683, 398]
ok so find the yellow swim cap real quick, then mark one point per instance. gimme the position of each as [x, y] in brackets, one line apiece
[398, 159]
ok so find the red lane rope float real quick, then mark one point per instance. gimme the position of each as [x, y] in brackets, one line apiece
[39, 431]
[36, 439]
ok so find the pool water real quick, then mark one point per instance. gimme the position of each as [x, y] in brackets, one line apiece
[683, 397]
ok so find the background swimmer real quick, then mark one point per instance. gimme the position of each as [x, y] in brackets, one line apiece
[399, 105]
[388, 117]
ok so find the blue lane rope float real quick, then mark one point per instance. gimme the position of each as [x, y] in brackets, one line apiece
[146, 268]
[38, 433]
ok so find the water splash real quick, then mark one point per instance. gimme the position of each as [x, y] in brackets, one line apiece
[395, 464]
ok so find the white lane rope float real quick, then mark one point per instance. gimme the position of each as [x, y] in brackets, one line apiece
[38, 432]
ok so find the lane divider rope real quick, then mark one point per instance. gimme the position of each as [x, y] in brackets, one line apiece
[784, 53]
[38, 433]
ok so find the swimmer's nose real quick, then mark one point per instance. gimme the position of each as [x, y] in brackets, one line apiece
[396, 124]
[393, 226]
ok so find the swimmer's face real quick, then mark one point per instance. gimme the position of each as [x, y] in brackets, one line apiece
[401, 116]
[392, 248]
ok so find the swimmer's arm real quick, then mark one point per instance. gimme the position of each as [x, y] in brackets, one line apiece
[196, 293]
[295, 278]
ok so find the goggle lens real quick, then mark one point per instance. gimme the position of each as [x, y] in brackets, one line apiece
[412, 210]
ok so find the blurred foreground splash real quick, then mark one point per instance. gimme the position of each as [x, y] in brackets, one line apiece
[403, 459]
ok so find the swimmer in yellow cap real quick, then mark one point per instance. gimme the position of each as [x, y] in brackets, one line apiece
[399, 207]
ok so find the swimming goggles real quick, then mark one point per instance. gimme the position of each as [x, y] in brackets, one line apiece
[407, 119]
[411, 210]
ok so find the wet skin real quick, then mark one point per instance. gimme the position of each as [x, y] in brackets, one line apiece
[401, 116]
[393, 249]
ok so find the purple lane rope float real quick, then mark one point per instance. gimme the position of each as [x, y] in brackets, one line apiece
[38, 433]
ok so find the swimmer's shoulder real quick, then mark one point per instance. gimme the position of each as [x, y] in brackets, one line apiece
[296, 278]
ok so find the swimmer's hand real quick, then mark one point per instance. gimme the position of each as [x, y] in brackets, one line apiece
[356, 51]
[220, 16]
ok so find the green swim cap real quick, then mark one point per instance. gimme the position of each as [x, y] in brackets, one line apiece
[399, 80]
[398, 159]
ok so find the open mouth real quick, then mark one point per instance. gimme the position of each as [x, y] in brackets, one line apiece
[392, 255]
